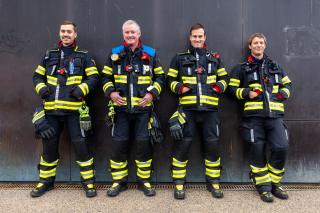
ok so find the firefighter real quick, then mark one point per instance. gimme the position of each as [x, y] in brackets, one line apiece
[132, 79]
[263, 86]
[64, 77]
[199, 78]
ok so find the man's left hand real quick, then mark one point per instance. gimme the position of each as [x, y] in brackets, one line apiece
[145, 100]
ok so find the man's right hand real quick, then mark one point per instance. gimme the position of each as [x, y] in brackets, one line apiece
[117, 99]
[253, 94]
[185, 89]
[44, 92]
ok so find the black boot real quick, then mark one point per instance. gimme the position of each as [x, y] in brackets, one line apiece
[147, 189]
[279, 192]
[266, 197]
[90, 190]
[41, 189]
[215, 190]
[116, 188]
[179, 192]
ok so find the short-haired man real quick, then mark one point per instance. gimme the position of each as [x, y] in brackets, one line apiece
[263, 86]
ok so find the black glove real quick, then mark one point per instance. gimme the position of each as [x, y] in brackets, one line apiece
[176, 131]
[44, 92]
[156, 136]
[85, 119]
[46, 131]
[41, 124]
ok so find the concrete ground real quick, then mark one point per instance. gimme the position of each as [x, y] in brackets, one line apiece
[132, 200]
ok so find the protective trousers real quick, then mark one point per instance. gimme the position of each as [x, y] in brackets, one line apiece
[121, 143]
[208, 122]
[50, 155]
[260, 133]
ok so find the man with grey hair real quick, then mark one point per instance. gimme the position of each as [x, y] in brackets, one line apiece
[132, 79]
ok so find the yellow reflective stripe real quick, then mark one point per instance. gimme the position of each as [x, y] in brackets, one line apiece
[85, 163]
[173, 85]
[274, 170]
[211, 79]
[58, 104]
[287, 91]
[157, 86]
[84, 88]
[74, 80]
[47, 173]
[239, 92]
[90, 186]
[120, 79]
[224, 83]
[143, 164]
[38, 116]
[180, 164]
[173, 73]
[118, 165]
[40, 70]
[40, 86]
[189, 80]
[257, 169]
[253, 105]
[274, 178]
[158, 71]
[87, 174]
[52, 80]
[124, 98]
[44, 163]
[181, 118]
[144, 80]
[221, 72]
[107, 70]
[91, 71]
[256, 86]
[204, 99]
[286, 80]
[213, 172]
[179, 173]
[234, 82]
[119, 175]
[135, 101]
[143, 174]
[276, 106]
[106, 86]
[275, 89]
[211, 163]
[188, 100]
[264, 179]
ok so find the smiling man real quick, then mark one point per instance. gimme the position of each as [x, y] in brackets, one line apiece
[263, 86]
[198, 78]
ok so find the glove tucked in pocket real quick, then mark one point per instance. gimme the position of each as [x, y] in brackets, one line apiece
[154, 127]
[43, 128]
[85, 119]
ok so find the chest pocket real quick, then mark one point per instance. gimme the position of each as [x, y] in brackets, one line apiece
[252, 73]
[275, 74]
[188, 65]
[212, 65]
[75, 67]
[52, 65]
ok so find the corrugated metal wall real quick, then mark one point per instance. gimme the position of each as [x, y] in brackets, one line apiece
[28, 28]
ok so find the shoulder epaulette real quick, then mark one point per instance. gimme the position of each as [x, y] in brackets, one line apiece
[149, 50]
[117, 50]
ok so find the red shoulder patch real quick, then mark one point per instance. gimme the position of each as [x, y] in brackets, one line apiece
[216, 55]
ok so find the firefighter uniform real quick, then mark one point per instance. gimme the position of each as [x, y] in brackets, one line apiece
[62, 79]
[262, 122]
[133, 74]
[204, 73]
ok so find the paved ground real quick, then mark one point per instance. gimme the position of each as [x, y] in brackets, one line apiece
[132, 200]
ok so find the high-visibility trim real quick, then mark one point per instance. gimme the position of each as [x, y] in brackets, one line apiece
[173, 73]
[211, 79]
[173, 85]
[158, 71]
[204, 99]
[91, 71]
[239, 94]
[180, 164]
[90, 186]
[84, 88]
[275, 89]
[119, 175]
[157, 86]
[47, 173]
[256, 86]
[39, 185]
[263, 179]
[107, 70]
[118, 165]
[214, 173]
[135, 101]
[38, 116]
[125, 99]
[74, 80]
[143, 174]
[179, 173]
[107, 85]
[253, 105]
[224, 83]
[40, 70]
[52, 80]
[45, 163]
[287, 91]
[87, 174]
[286, 80]
[58, 104]
[276, 106]
[39, 86]
[188, 100]
[257, 169]
[189, 80]
[222, 72]
[274, 170]
[234, 82]
[143, 164]
[211, 163]
[85, 163]
[120, 79]
[275, 178]
[144, 80]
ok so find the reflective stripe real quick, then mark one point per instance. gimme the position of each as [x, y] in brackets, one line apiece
[173, 85]
[204, 99]
[221, 72]
[188, 100]
[275, 89]
[180, 164]
[120, 79]
[256, 86]
[158, 71]
[38, 116]
[211, 79]
[84, 88]
[179, 173]
[40, 86]
[213, 172]
[286, 80]
[107, 85]
[257, 169]
[234, 82]
[275, 178]
[44, 163]
[253, 105]
[173, 73]
[74, 80]
[40, 70]
[52, 80]
[85, 163]
[91, 71]
[119, 175]
[252, 135]
[143, 174]
[135, 101]
[143, 164]
[224, 83]
[274, 170]
[287, 91]
[157, 86]
[87, 174]
[189, 80]
[239, 92]
[47, 173]
[264, 179]
[211, 163]
[144, 80]
[107, 70]
[58, 104]
[118, 165]
[124, 98]
[276, 106]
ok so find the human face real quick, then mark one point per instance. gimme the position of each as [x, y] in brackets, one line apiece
[131, 35]
[257, 47]
[197, 38]
[67, 34]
